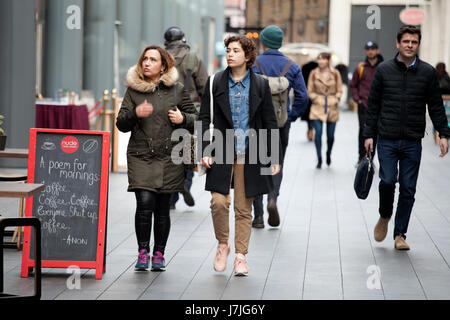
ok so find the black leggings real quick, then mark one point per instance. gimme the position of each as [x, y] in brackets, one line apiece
[147, 203]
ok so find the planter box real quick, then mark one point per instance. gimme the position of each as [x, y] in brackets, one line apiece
[2, 142]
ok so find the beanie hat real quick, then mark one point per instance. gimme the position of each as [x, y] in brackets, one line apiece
[272, 37]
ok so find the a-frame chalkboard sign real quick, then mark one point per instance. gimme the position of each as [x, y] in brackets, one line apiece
[74, 167]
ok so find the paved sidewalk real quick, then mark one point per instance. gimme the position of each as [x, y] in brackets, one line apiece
[324, 248]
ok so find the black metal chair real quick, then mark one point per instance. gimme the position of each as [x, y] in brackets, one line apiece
[23, 222]
[18, 232]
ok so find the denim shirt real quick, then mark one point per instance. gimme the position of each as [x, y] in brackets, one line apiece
[240, 105]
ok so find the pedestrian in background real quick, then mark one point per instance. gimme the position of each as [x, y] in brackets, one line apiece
[443, 78]
[306, 70]
[193, 76]
[273, 63]
[401, 90]
[242, 101]
[325, 91]
[343, 71]
[154, 105]
[360, 88]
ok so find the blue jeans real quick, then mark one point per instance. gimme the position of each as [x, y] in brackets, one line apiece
[275, 192]
[399, 162]
[331, 127]
[189, 175]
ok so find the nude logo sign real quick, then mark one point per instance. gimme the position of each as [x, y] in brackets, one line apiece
[69, 144]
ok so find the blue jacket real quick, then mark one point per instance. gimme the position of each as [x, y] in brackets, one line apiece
[273, 62]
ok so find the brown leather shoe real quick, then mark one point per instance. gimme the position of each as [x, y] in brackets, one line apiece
[310, 135]
[381, 229]
[274, 217]
[258, 222]
[400, 243]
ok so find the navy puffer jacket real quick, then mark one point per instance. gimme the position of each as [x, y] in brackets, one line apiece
[398, 98]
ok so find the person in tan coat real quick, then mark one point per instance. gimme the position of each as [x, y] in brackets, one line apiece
[325, 91]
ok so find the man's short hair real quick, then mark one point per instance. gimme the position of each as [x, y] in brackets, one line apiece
[408, 29]
[247, 44]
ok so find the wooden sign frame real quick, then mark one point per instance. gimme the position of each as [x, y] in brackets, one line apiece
[100, 263]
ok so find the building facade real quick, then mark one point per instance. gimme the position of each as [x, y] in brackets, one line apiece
[88, 45]
[301, 20]
[235, 14]
[111, 35]
[349, 30]
[345, 25]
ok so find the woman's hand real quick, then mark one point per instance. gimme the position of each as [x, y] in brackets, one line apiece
[276, 168]
[175, 116]
[206, 162]
[144, 110]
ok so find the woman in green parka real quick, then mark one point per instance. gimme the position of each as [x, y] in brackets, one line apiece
[154, 105]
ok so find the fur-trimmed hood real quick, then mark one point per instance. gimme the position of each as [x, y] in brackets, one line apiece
[135, 82]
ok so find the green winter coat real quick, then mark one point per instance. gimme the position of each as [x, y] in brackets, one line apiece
[150, 166]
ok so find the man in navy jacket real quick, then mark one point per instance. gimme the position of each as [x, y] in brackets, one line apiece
[401, 90]
[273, 62]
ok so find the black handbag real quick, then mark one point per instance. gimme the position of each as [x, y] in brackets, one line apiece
[364, 177]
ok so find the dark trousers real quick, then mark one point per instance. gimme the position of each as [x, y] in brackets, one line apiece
[399, 161]
[275, 192]
[331, 128]
[159, 204]
[362, 120]
[189, 175]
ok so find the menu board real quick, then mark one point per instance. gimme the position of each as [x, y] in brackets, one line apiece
[73, 166]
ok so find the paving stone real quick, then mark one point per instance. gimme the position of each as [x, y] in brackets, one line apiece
[323, 249]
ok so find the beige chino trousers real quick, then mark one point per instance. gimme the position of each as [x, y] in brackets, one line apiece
[220, 208]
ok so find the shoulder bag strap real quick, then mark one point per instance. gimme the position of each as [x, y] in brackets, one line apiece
[335, 73]
[286, 68]
[259, 67]
[211, 110]
[189, 70]
[361, 70]
[175, 103]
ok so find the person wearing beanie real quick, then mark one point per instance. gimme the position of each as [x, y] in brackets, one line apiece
[272, 37]
[272, 64]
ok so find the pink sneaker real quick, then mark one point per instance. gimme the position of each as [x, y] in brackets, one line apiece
[240, 266]
[220, 262]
